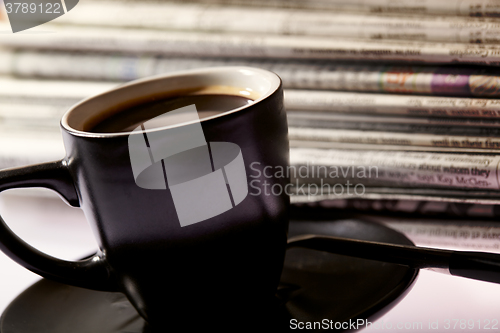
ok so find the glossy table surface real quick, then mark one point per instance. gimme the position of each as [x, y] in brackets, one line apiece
[451, 304]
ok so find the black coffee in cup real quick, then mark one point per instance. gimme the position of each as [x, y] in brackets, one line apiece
[129, 117]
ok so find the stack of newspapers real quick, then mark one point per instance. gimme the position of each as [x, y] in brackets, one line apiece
[388, 101]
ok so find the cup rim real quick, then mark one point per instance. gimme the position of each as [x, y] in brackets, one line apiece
[274, 79]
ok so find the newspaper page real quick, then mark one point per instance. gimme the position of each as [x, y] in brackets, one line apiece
[407, 79]
[400, 169]
[482, 126]
[306, 108]
[410, 208]
[401, 175]
[3, 14]
[449, 232]
[490, 144]
[32, 113]
[392, 193]
[53, 89]
[474, 8]
[344, 122]
[475, 235]
[381, 147]
[199, 44]
[24, 98]
[47, 110]
[29, 147]
[232, 19]
[348, 102]
[32, 105]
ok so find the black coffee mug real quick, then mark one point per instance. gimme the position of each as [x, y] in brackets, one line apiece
[219, 271]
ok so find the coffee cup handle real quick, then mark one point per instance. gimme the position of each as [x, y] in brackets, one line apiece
[91, 273]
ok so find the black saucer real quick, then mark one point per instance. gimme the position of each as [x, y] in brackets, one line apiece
[314, 286]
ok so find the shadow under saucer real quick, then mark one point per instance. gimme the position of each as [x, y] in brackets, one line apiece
[315, 287]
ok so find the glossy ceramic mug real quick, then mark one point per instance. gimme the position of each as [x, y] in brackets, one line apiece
[222, 270]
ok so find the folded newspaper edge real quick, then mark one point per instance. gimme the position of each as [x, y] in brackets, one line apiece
[202, 44]
[346, 76]
[241, 19]
[473, 8]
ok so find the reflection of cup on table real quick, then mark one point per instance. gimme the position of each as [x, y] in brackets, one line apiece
[167, 195]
